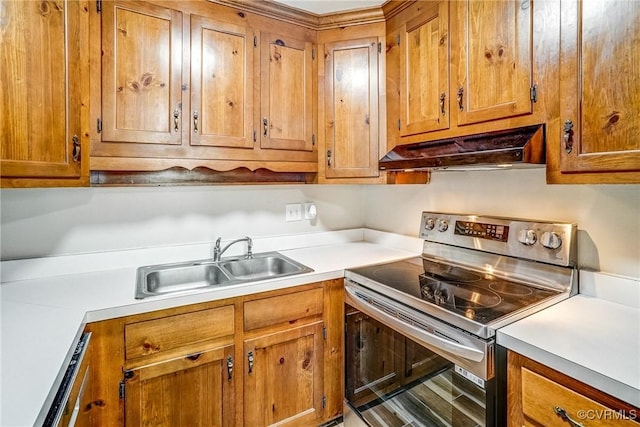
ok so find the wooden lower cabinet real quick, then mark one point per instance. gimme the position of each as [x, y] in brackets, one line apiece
[194, 390]
[283, 381]
[258, 360]
[540, 396]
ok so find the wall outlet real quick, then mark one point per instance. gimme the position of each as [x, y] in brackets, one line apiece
[310, 211]
[293, 212]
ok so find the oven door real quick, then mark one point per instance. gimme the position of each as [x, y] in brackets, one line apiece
[396, 375]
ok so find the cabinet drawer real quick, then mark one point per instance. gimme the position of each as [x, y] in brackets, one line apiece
[283, 308]
[540, 395]
[160, 335]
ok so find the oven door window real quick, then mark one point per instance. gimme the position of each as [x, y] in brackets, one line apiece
[392, 381]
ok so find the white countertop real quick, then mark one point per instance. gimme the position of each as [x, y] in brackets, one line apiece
[42, 317]
[593, 337]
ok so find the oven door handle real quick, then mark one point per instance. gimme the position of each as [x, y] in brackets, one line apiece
[414, 332]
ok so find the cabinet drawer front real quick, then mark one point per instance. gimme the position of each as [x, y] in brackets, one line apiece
[159, 335]
[280, 309]
[540, 395]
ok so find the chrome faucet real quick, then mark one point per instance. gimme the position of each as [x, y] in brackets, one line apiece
[217, 252]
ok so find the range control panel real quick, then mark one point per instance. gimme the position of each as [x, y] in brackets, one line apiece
[551, 242]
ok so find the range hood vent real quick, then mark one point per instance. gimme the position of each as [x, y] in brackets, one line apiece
[514, 148]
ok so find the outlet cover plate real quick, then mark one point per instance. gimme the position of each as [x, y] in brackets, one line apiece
[293, 212]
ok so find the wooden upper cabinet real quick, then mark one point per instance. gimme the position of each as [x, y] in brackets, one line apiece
[492, 59]
[286, 70]
[222, 90]
[424, 71]
[42, 90]
[599, 89]
[141, 73]
[194, 390]
[351, 108]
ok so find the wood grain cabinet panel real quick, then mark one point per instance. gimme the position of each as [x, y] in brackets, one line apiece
[283, 383]
[424, 71]
[195, 390]
[599, 90]
[492, 59]
[163, 335]
[351, 108]
[283, 309]
[222, 91]
[141, 73]
[540, 396]
[286, 72]
[43, 78]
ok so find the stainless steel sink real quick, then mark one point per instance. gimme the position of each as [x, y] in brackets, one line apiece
[165, 279]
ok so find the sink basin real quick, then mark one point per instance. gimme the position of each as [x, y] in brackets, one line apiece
[262, 267]
[165, 279]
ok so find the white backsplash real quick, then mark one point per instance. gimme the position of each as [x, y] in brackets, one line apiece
[48, 222]
[608, 216]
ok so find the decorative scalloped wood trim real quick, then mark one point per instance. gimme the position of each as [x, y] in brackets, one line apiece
[180, 176]
[148, 165]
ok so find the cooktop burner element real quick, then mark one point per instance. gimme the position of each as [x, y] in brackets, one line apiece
[479, 273]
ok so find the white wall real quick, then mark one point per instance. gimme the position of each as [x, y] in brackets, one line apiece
[608, 216]
[45, 222]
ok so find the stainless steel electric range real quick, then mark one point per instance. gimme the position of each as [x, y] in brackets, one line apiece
[420, 333]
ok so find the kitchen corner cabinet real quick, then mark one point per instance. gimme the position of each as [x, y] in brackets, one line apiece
[260, 359]
[43, 69]
[599, 91]
[538, 395]
[352, 104]
[214, 89]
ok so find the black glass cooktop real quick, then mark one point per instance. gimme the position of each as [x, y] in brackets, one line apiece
[477, 296]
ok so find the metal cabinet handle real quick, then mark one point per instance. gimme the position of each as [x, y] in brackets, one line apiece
[565, 417]
[567, 136]
[442, 98]
[230, 367]
[76, 148]
[176, 119]
[328, 157]
[195, 122]
[460, 94]
[250, 360]
[265, 126]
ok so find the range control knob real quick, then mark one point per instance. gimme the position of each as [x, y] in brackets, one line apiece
[550, 240]
[443, 225]
[527, 237]
[429, 224]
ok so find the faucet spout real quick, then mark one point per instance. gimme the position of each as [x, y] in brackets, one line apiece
[217, 251]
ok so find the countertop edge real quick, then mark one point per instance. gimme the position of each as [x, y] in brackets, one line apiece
[581, 373]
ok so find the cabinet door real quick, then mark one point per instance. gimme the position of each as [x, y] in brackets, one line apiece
[424, 71]
[286, 86]
[283, 377]
[221, 84]
[492, 53]
[196, 390]
[40, 96]
[599, 90]
[351, 102]
[141, 73]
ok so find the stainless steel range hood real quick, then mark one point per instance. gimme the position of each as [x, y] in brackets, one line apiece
[514, 148]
